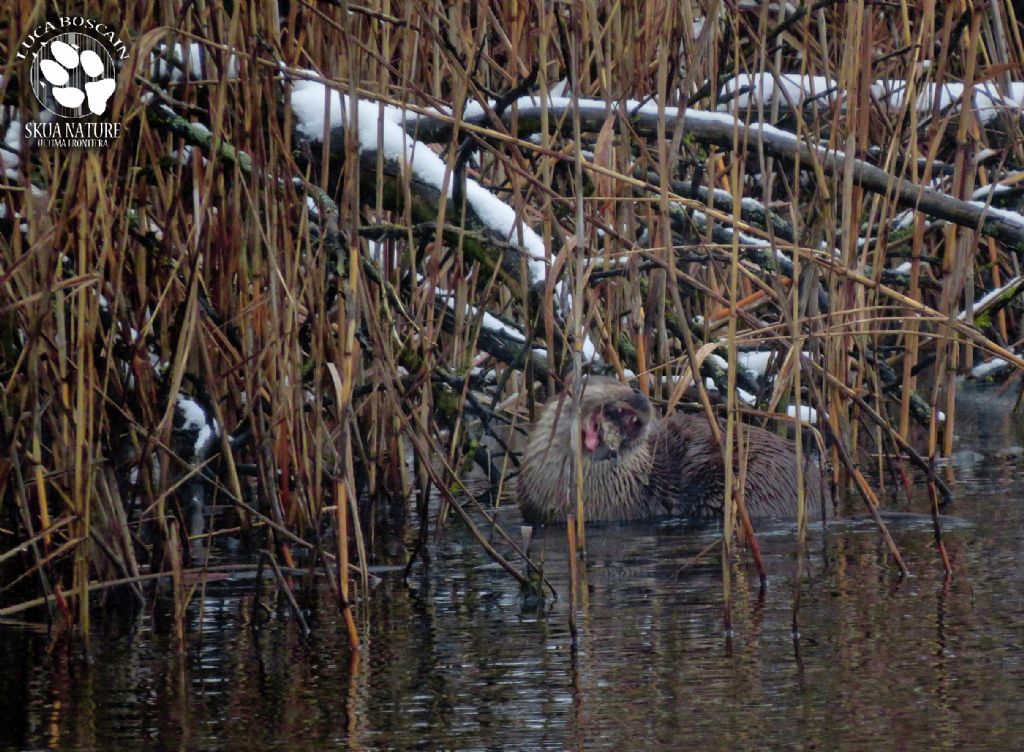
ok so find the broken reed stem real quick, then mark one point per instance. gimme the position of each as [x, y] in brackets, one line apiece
[286, 590]
[796, 349]
[341, 509]
[570, 531]
[579, 277]
[343, 578]
[940, 546]
[733, 434]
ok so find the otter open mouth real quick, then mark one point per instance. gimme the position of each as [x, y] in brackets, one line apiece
[592, 438]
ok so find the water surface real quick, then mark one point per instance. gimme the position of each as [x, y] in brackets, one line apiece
[451, 660]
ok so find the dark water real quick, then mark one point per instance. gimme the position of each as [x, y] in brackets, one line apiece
[451, 661]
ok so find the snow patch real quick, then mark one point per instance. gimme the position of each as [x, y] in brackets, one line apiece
[177, 66]
[196, 420]
[807, 414]
[755, 362]
[989, 368]
[10, 157]
[979, 305]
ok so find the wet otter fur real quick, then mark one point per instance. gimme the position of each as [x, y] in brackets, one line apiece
[636, 466]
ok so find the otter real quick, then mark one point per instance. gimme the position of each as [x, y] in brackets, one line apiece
[636, 466]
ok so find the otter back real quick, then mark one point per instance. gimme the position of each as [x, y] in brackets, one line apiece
[688, 477]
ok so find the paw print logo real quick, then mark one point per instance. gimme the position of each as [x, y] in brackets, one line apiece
[73, 76]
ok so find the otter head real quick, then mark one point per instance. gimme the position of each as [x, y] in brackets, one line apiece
[616, 426]
[615, 419]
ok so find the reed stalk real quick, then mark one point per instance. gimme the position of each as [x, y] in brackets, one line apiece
[338, 308]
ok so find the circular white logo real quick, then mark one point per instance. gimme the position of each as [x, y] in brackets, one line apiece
[73, 76]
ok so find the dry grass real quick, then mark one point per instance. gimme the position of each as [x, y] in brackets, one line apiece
[336, 351]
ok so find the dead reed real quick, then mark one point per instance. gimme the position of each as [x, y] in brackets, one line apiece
[357, 339]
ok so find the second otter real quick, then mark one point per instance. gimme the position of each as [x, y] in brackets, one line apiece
[636, 466]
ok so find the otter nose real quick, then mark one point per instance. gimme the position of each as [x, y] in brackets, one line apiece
[604, 452]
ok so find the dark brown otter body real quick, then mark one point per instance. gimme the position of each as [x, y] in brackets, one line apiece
[635, 466]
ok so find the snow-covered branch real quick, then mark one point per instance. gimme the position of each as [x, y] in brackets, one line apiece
[725, 130]
[795, 91]
[319, 110]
